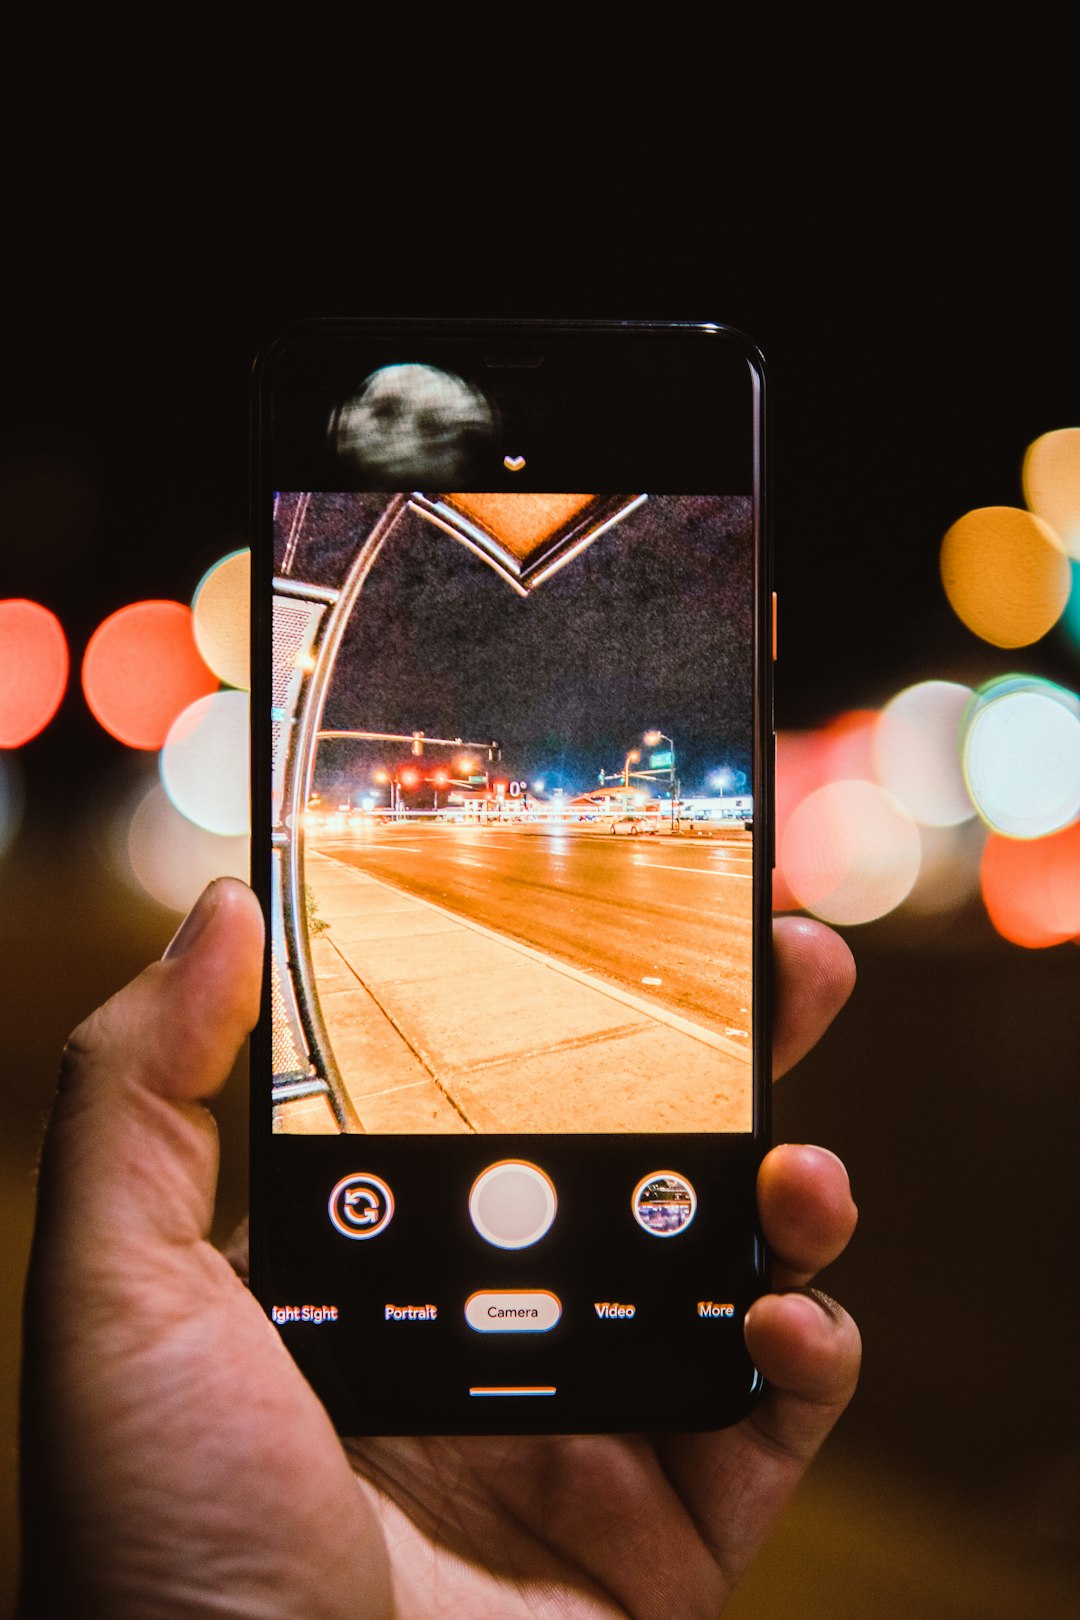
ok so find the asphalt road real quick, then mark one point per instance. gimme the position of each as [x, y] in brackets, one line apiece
[633, 910]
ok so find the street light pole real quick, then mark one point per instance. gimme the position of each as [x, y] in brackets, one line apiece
[631, 759]
[650, 739]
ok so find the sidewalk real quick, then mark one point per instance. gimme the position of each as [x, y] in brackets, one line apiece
[439, 1024]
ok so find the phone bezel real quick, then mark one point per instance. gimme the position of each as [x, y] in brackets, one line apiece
[528, 332]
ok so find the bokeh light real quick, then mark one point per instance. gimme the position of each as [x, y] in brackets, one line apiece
[1051, 481]
[170, 857]
[850, 852]
[204, 763]
[33, 670]
[1021, 755]
[222, 612]
[847, 744]
[949, 871]
[807, 760]
[917, 752]
[11, 800]
[800, 769]
[1031, 889]
[142, 668]
[1069, 622]
[1006, 574]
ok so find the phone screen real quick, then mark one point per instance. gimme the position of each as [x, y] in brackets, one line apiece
[508, 1092]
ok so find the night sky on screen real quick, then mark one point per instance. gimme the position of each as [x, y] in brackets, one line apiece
[647, 628]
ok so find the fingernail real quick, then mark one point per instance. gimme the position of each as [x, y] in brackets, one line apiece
[192, 925]
[817, 1304]
[827, 1153]
[815, 1147]
[824, 1301]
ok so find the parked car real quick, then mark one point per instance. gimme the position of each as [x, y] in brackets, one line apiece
[633, 825]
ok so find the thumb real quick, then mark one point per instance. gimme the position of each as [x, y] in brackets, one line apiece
[130, 1153]
[171, 1449]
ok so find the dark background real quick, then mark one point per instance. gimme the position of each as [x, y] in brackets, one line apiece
[910, 361]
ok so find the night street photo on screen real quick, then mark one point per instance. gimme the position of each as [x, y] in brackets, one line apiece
[528, 844]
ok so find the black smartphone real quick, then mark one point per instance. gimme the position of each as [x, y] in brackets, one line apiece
[512, 782]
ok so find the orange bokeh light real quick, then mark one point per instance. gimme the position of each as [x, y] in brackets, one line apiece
[1031, 887]
[142, 669]
[1051, 478]
[1006, 574]
[805, 761]
[800, 768]
[33, 670]
[848, 746]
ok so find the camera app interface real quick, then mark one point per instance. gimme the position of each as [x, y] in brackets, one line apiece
[511, 902]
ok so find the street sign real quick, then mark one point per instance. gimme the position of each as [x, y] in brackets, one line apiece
[660, 761]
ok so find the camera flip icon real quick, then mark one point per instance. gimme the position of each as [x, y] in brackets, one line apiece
[361, 1205]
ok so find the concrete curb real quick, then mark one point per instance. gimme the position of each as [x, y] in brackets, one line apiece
[439, 1023]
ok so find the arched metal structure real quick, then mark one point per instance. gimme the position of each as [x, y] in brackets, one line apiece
[309, 621]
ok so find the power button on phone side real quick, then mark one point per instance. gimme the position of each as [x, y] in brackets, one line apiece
[772, 818]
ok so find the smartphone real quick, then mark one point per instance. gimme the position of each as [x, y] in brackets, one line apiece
[512, 785]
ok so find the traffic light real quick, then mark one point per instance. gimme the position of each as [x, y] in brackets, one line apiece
[494, 752]
[418, 742]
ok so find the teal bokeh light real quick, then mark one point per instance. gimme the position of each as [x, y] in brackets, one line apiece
[1069, 623]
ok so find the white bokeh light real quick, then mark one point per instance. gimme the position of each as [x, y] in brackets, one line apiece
[917, 752]
[1021, 756]
[170, 858]
[204, 763]
[949, 871]
[850, 852]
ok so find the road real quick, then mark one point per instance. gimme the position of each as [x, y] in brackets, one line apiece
[668, 917]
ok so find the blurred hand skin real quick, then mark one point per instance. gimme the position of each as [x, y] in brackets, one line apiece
[175, 1462]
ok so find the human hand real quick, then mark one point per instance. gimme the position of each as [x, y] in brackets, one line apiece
[175, 1462]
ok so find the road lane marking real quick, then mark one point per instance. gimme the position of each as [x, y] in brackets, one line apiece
[367, 847]
[695, 871]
